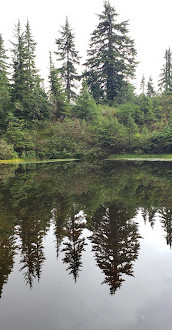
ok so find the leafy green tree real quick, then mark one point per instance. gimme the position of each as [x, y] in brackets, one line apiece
[132, 129]
[165, 82]
[123, 111]
[146, 107]
[161, 140]
[4, 86]
[111, 57]
[57, 97]
[7, 150]
[112, 135]
[19, 136]
[145, 140]
[69, 58]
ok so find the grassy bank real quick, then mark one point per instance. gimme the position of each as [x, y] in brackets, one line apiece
[145, 157]
[34, 161]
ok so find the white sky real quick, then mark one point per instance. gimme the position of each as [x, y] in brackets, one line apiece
[150, 25]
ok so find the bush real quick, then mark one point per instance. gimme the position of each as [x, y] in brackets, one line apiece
[7, 151]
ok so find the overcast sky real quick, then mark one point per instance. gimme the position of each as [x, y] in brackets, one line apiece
[150, 25]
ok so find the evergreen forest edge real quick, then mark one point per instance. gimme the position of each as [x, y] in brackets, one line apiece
[106, 117]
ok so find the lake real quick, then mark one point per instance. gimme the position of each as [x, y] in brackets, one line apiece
[86, 246]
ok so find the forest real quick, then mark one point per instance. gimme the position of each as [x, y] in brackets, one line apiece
[90, 114]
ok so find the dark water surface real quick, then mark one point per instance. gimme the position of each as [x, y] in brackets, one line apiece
[86, 246]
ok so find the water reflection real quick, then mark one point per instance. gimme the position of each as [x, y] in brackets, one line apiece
[74, 246]
[32, 255]
[166, 219]
[7, 252]
[115, 242]
[104, 199]
[149, 214]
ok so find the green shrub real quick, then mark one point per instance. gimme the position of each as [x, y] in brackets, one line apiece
[7, 150]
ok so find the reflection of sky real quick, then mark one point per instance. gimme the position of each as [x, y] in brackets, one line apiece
[148, 294]
[143, 302]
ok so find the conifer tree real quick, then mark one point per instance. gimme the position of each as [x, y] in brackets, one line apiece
[68, 56]
[4, 86]
[111, 57]
[165, 82]
[142, 85]
[131, 127]
[30, 48]
[150, 88]
[18, 77]
[86, 107]
[29, 99]
[57, 96]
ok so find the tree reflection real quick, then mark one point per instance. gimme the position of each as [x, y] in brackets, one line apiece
[115, 242]
[7, 252]
[31, 235]
[74, 247]
[149, 215]
[7, 241]
[34, 196]
[59, 214]
[166, 219]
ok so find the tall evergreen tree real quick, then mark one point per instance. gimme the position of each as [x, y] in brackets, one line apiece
[165, 82]
[4, 86]
[142, 85]
[18, 77]
[57, 96]
[150, 88]
[30, 100]
[111, 57]
[69, 58]
[30, 48]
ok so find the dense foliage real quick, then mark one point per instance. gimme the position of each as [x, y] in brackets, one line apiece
[104, 117]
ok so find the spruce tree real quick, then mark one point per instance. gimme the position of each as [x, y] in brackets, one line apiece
[29, 99]
[111, 57]
[57, 97]
[150, 88]
[18, 77]
[68, 56]
[165, 82]
[4, 86]
[142, 85]
[30, 48]
[85, 107]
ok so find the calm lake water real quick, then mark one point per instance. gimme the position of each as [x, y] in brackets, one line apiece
[86, 246]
